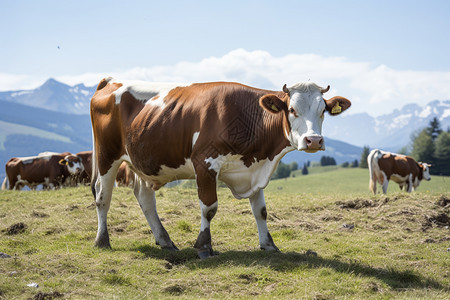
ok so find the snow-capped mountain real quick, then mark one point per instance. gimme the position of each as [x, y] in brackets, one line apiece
[54, 95]
[391, 131]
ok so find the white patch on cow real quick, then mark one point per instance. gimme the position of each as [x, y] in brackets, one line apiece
[244, 181]
[194, 138]
[398, 178]
[146, 91]
[307, 101]
[76, 167]
[48, 153]
[205, 209]
[167, 174]
[30, 159]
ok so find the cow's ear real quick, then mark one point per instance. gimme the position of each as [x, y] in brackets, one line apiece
[272, 104]
[336, 105]
[62, 162]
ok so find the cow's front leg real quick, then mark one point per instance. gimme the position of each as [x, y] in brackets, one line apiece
[258, 204]
[409, 184]
[147, 200]
[206, 182]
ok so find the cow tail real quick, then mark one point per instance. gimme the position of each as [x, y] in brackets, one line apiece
[5, 184]
[373, 176]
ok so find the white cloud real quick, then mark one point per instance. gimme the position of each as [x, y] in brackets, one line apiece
[372, 89]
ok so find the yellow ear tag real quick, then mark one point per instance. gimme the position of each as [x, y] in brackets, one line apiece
[336, 109]
[274, 108]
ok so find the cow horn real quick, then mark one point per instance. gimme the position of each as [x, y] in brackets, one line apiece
[323, 91]
[285, 89]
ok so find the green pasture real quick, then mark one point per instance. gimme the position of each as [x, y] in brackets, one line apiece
[337, 241]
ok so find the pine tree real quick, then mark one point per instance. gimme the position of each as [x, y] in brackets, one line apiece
[442, 154]
[423, 147]
[305, 169]
[283, 171]
[364, 154]
[434, 129]
[293, 166]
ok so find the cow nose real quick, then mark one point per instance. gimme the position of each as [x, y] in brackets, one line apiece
[314, 142]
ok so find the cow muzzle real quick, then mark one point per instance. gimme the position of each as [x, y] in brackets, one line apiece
[313, 143]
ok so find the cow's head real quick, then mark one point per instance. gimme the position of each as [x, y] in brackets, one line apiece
[73, 163]
[304, 109]
[426, 170]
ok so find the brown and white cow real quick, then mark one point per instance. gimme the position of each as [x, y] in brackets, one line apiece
[206, 131]
[402, 169]
[49, 169]
[125, 176]
[86, 173]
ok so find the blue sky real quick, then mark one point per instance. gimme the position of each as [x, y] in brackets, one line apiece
[379, 54]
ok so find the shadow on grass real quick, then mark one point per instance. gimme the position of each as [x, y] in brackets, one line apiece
[290, 262]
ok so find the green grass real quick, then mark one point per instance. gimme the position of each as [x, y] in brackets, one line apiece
[395, 249]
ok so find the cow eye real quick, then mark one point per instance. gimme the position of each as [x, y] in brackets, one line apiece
[292, 110]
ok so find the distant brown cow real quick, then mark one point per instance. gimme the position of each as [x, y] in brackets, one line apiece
[50, 170]
[404, 170]
[125, 177]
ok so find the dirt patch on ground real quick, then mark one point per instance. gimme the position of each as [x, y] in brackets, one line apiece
[36, 214]
[72, 208]
[175, 289]
[443, 201]
[328, 218]
[440, 220]
[16, 228]
[356, 204]
[42, 296]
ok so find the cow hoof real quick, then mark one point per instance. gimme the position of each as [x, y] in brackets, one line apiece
[205, 253]
[173, 248]
[103, 245]
[311, 253]
[272, 248]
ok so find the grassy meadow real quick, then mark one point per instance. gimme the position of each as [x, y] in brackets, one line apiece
[336, 240]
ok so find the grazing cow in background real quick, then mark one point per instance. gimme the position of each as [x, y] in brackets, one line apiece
[86, 160]
[207, 131]
[125, 177]
[404, 170]
[75, 168]
[50, 170]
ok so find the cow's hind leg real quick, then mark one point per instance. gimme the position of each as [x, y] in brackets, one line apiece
[146, 198]
[203, 243]
[206, 182]
[385, 184]
[103, 193]
[258, 204]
